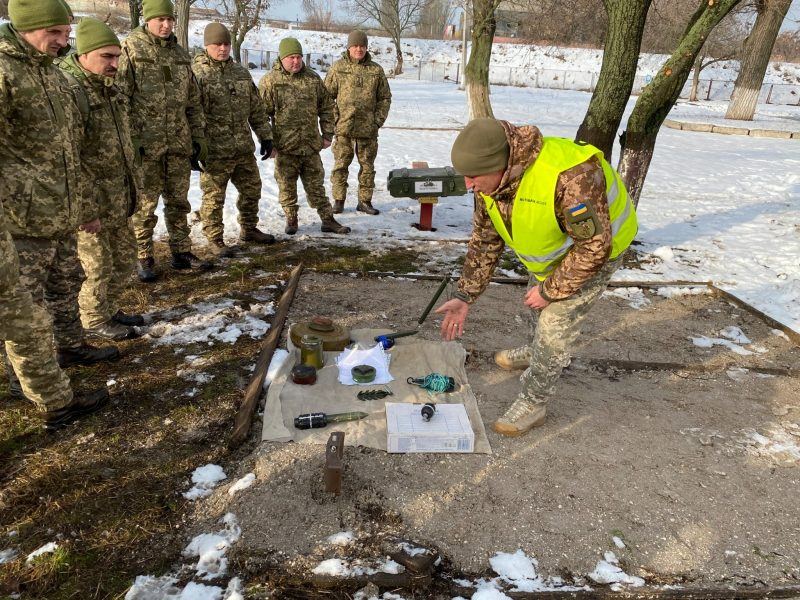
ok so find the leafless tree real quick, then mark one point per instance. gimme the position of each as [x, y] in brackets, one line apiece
[4, 9]
[477, 70]
[135, 9]
[394, 16]
[724, 43]
[182, 21]
[755, 58]
[435, 16]
[242, 16]
[318, 14]
[787, 47]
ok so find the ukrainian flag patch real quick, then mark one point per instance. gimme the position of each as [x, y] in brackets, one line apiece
[578, 210]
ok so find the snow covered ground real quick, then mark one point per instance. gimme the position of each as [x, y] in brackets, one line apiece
[719, 208]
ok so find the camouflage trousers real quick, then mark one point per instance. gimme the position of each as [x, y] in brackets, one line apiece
[167, 177]
[27, 331]
[344, 148]
[108, 260]
[242, 172]
[554, 330]
[288, 167]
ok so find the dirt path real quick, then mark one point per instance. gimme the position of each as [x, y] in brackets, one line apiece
[669, 462]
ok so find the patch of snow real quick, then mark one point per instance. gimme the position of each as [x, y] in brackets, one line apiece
[333, 567]
[675, 292]
[413, 550]
[634, 295]
[608, 571]
[735, 334]
[343, 538]
[205, 479]
[618, 542]
[147, 587]
[235, 590]
[200, 591]
[779, 443]
[707, 342]
[242, 484]
[779, 333]
[46, 549]
[8, 555]
[210, 548]
[519, 570]
[391, 567]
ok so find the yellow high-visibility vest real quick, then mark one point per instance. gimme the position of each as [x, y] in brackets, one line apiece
[538, 239]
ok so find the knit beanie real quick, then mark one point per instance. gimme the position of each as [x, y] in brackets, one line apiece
[91, 34]
[157, 8]
[28, 15]
[69, 11]
[357, 38]
[216, 33]
[289, 46]
[480, 148]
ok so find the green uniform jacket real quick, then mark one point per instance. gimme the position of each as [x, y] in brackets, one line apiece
[232, 107]
[362, 96]
[41, 133]
[165, 101]
[298, 106]
[107, 160]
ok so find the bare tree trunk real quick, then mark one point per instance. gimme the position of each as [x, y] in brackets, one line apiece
[135, 8]
[4, 9]
[626, 20]
[755, 59]
[463, 65]
[698, 66]
[476, 75]
[182, 21]
[236, 46]
[398, 48]
[658, 98]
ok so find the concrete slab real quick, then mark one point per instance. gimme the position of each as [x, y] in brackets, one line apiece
[725, 129]
[771, 133]
[702, 127]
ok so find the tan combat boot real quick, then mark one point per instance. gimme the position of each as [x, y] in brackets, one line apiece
[331, 225]
[291, 223]
[522, 416]
[512, 360]
[338, 207]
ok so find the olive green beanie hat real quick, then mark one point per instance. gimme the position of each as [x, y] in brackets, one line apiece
[28, 15]
[216, 33]
[91, 34]
[480, 148]
[357, 38]
[157, 8]
[289, 46]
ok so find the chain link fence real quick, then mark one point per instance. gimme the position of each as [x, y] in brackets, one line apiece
[585, 81]
[264, 59]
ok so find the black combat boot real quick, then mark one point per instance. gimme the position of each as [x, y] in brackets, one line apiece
[111, 330]
[291, 224]
[366, 207]
[86, 355]
[82, 404]
[338, 207]
[188, 260]
[129, 320]
[331, 225]
[144, 269]
[256, 236]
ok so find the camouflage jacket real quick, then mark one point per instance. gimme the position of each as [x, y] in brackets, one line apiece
[298, 106]
[9, 263]
[165, 101]
[41, 133]
[232, 107]
[107, 160]
[584, 183]
[362, 96]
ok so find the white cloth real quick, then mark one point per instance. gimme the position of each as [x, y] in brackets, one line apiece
[375, 357]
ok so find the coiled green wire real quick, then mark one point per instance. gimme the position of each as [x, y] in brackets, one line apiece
[435, 382]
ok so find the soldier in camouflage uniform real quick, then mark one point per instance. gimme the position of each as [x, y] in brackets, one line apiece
[232, 107]
[362, 95]
[299, 106]
[572, 220]
[107, 162]
[39, 269]
[168, 126]
[44, 197]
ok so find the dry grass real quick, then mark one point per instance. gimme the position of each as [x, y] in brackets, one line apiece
[107, 489]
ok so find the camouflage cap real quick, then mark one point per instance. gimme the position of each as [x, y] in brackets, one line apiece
[480, 148]
[91, 34]
[157, 8]
[216, 33]
[357, 38]
[289, 46]
[29, 15]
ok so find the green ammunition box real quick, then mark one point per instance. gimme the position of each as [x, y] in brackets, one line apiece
[416, 183]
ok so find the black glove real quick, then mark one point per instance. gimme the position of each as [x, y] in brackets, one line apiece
[266, 149]
[199, 154]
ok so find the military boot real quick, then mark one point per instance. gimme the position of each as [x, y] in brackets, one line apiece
[129, 320]
[331, 225]
[86, 355]
[366, 207]
[522, 416]
[512, 360]
[188, 260]
[256, 236]
[111, 330]
[144, 269]
[82, 405]
[291, 223]
[219, 248]
[338, 207]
